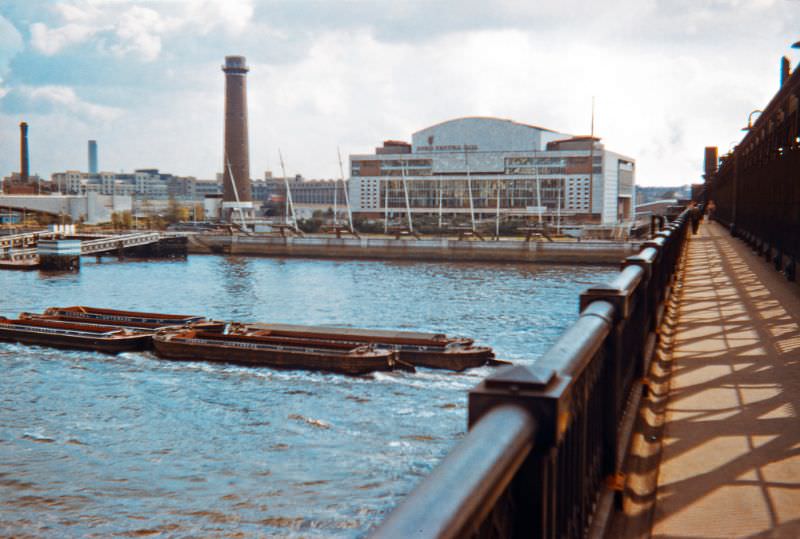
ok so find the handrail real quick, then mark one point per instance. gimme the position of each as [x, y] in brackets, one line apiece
[545, 441]
[455, 498]
[755, 190]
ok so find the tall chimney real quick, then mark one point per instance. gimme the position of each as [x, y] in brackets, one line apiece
[786, 70]
[236, 193]
[93, 157]
[24, 171]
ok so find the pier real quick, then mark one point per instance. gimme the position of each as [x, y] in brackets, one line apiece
[56, 251]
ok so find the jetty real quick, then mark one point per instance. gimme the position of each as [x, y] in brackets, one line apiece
[62, 250]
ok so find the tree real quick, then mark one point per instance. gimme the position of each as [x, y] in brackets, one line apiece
[173, 210]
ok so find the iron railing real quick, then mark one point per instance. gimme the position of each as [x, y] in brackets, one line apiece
[546, 444]
[756, 190]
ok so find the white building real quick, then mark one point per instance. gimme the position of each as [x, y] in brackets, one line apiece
[481, 167]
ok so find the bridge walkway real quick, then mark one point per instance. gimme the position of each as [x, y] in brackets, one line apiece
[730, 463]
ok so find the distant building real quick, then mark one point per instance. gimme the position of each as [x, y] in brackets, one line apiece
[13, 184]
[147, 183]
[308, 196]
[462, 166]
[93, 157]
[653, 194]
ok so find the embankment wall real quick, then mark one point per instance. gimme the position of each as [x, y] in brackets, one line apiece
[436, 249]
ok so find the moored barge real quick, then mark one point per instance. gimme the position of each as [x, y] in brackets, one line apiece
[59, 334]
[256, 350]
[433, 350]
[80, 313]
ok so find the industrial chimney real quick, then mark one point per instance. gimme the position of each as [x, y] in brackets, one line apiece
[93, 157]
[24, 170]
[237, 200]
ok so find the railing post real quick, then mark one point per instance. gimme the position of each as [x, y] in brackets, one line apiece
[536, 389]
[625, 345]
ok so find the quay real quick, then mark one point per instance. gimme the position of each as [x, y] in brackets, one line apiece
[427, 249]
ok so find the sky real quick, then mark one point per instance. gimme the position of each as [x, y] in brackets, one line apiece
[143, 78]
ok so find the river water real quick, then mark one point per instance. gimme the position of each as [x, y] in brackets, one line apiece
[94, 445]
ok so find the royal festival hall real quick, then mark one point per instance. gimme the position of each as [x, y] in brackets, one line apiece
[482, 168]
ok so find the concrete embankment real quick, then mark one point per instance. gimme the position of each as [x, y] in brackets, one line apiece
[430, 249]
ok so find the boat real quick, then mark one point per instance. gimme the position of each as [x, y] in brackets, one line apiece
[433, 350]
[60, 334]
[256, 350]
[138, 319]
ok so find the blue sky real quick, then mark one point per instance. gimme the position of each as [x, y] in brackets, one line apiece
[143, 77]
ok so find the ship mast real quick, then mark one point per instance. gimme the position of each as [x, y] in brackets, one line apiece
[288, 192]
[235, 192]
[346, 194]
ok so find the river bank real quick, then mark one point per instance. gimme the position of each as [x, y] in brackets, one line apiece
[425, 249]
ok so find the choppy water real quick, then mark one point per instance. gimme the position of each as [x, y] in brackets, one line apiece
[129, 445]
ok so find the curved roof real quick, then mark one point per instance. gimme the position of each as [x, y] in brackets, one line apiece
[488, 119]
[482, 133]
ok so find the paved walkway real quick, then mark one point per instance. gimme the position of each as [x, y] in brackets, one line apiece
[731, 449]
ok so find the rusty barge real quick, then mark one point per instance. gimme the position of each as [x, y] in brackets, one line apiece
[432, 350]
[263, 351]
[283, 346]
[144, 320]
[60, 334]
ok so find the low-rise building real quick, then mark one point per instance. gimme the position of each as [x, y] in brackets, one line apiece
[143, 183]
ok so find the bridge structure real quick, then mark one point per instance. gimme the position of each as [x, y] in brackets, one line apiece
[671, 407]
[52, 250]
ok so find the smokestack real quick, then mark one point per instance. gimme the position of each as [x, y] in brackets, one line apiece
[24, 171]
[786, 70]
[236, 194]
[93, 157]
[711, 162]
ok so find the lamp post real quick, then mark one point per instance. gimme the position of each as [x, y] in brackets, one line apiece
[750, 119]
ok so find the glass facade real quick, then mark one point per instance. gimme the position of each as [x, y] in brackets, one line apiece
[453, 193]
[554, 182]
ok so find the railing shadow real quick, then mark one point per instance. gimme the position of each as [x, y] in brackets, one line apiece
[735, 396]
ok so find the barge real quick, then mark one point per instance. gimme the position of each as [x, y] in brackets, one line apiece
[60, 334]
[154, 321]
[257, 350]
[433, 350]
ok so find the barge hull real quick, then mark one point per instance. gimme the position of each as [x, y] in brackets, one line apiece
[109, 346]
[277, 359]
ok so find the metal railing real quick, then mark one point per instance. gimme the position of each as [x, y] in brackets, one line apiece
[546, 443]
[756, 189]
[118, 242]
[24, 240]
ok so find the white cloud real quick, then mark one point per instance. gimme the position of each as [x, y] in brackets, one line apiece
[50, 41]
[64, 99]
[10, 44]
[206, 16]
[131, 28]
[138, 31]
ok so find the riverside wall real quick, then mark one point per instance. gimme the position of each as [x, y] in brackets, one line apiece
[427, 249]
